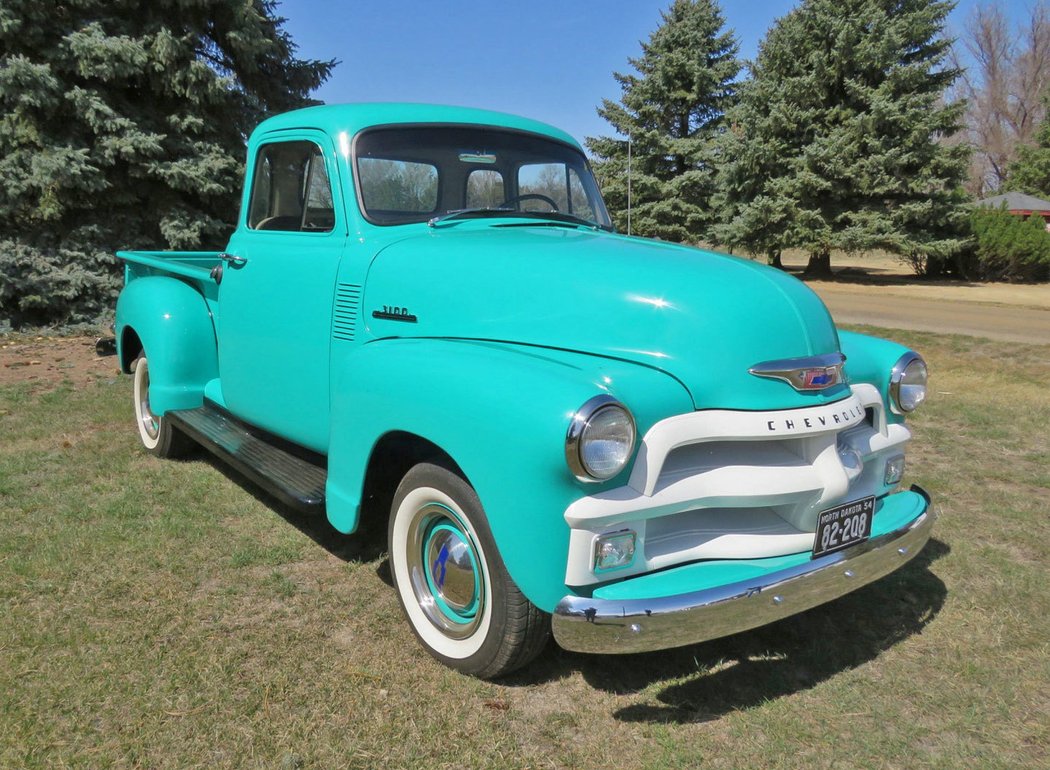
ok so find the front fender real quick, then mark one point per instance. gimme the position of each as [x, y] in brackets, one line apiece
[173, 324]
[501, 412]
[871, 359]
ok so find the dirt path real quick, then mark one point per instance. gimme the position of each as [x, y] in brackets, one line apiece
[878, 289]
[875, 305]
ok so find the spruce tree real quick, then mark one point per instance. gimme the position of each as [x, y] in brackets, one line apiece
[669, 111]
[1030, 173]
[122, 125]
[837, 140]
[1008, 247]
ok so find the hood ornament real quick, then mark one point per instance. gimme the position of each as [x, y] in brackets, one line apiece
[804, 374]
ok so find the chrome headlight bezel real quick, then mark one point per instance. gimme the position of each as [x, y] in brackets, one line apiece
[898, 403]
[576, 437]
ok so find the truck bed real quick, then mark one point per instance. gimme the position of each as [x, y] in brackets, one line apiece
[195, 265]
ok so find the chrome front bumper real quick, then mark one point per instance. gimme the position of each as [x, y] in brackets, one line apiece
[593, 625]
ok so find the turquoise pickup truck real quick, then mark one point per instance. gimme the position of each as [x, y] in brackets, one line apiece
[425, 318]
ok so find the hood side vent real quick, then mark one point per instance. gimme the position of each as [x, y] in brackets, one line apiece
[347, 305]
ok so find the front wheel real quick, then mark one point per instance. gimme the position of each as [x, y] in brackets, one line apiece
[157, 434]
[453, 587]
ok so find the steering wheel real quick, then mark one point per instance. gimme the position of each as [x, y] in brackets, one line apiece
[530, 197]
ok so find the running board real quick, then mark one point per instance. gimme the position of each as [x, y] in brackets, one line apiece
[292, 474]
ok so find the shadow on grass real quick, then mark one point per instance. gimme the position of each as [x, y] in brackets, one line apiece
[879, 276]
[746, 669]
[366, 544]
[750, 668]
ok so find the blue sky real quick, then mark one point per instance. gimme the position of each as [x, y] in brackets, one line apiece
[547, 59]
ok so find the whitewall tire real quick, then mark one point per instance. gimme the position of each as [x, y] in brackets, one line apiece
[451, 582]
[157, 434]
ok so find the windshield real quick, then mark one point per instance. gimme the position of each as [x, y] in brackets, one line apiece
[416, 173]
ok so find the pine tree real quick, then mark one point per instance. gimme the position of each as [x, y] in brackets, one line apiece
[122, 125]
[836, 141]
[1008, 247]
[669, 111]
[1030, 173]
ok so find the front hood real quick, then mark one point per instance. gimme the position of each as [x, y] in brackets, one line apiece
[701, 317]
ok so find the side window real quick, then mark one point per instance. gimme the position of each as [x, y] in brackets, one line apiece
[484, 189]
[290, 189]
[580, 203]
[559, 183]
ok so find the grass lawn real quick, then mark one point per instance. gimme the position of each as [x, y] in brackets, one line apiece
[160, 614]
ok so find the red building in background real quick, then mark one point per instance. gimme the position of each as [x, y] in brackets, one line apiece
[1020, 204]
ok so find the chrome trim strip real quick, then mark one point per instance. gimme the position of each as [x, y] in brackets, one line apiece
[590, 625]
[793, 370]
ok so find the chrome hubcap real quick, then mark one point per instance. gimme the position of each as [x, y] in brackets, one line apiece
[452, 572]
[445, 571]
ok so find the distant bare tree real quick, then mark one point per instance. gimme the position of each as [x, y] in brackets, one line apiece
[1003, 86]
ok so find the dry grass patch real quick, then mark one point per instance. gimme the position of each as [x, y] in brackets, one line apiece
[162, 614]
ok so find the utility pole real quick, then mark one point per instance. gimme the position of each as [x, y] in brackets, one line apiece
[628, 184]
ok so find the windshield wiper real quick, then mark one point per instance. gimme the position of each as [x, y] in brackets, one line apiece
[559, 216]
[556, 216]
[481, 211]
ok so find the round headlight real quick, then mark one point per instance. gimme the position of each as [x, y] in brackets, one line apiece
[908, 383]
[600, 439]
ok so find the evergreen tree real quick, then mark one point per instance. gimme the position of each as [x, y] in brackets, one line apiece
[670, 111]
[836, 141]
[1008, 247]
[1030, 173]
[122, 125]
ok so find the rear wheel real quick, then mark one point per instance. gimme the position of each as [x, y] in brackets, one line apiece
[157, 434]
[451, 582]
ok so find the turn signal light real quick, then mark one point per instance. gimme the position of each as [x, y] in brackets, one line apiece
[614, 551]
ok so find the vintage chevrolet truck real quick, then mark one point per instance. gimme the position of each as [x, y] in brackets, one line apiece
[424, 315]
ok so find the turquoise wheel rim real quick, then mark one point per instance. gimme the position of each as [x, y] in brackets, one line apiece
[440, 546]
[446, 570]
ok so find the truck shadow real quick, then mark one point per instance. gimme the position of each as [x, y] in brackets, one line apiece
[366, 544]
[749, 668]
[721, 676]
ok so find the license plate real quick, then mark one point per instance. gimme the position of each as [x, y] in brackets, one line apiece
[843, 526]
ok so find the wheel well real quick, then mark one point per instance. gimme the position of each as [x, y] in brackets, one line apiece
[392, 457]
[130, 348]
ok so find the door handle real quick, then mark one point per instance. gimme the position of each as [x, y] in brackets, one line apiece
[233, 260]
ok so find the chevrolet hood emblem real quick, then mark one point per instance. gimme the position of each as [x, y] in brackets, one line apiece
[813, 373]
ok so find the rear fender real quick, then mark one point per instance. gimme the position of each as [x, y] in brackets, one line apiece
[171, 322]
